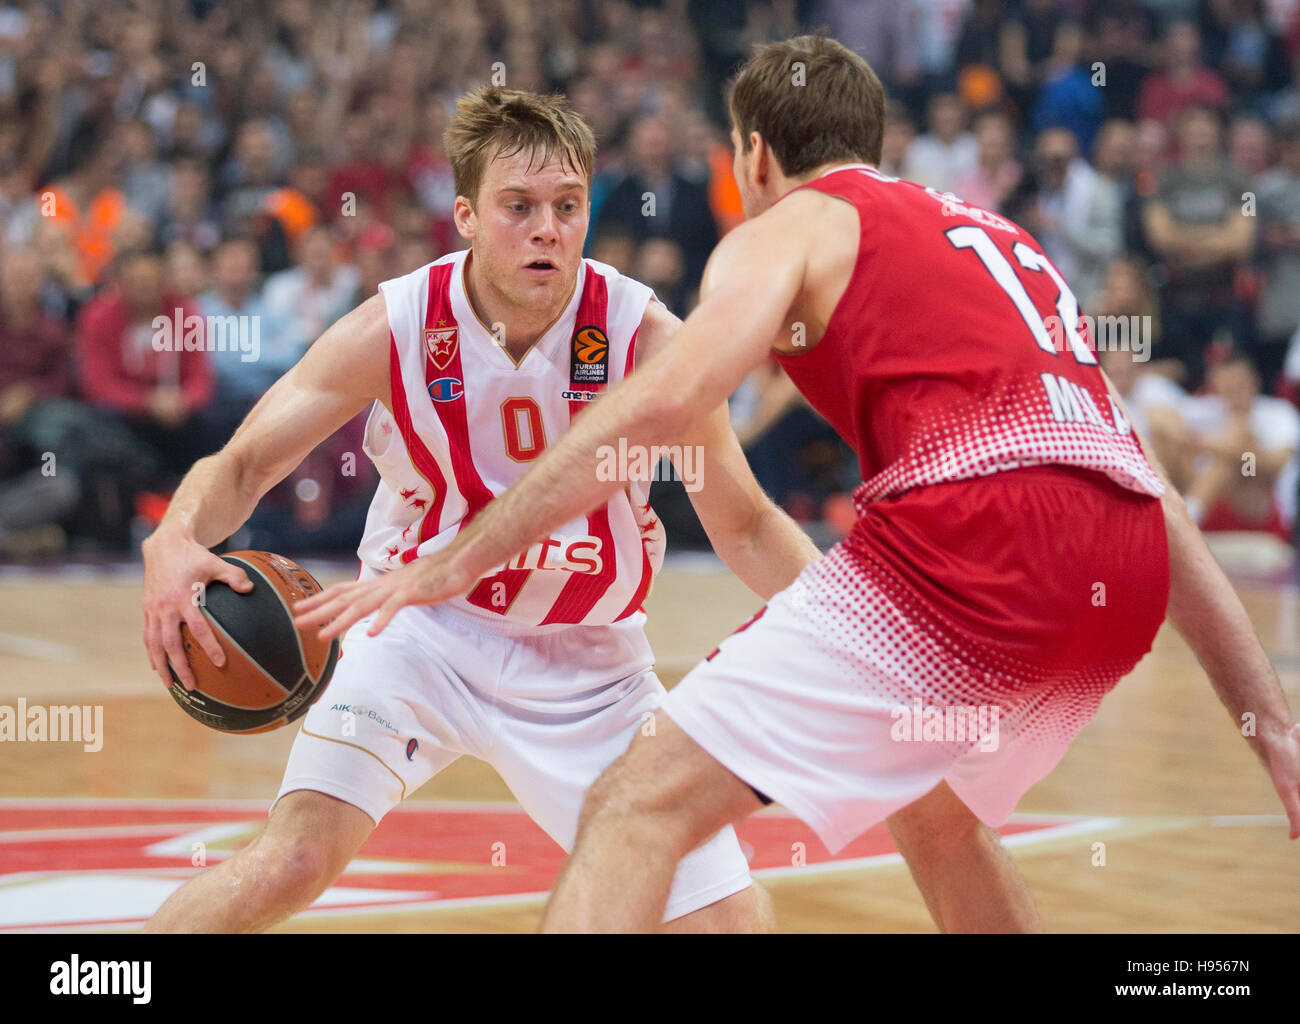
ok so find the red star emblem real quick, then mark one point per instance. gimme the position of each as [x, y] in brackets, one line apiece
[392, 552]
[407, 493]
[441, 345]
[650, 525]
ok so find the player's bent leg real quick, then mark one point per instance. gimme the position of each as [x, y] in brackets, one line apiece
[663, 798]
[968, 881]
[306, 844]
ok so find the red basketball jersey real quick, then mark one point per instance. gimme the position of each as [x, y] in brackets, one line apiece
[957, 350]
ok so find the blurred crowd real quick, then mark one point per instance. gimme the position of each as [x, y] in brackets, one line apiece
[271, 162]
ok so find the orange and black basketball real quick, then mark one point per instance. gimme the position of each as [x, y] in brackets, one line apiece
[273, 671]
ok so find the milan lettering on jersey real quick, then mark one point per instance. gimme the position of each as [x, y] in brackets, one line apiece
[589, 368]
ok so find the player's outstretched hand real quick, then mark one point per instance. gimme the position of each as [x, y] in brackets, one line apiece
[176, 569]
[427, 580]
[1282, 756]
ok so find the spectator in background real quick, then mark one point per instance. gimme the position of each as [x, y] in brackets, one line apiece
[660, 265]
[614, 244]
[305, 299]
[883, 32]
[938, 26]
[143, 177]
[1250, 145]
[188, 214]
[981, 40]
[146, 379]
[1196, 226]
[86, 206]
[947, 152]
[1246, 52]
[1278, 310]
[35, 349]
[1093, 215]
[707, 160]
[187, 270]
[1185, 81]
[653, 200]
[896, 141]
[1121, 44]
[1241, 447]
[1068, 98]
[997, 172]
[1042, 203]
[59, 460]
[237, 304]
[1026, 49]
[1155, 407]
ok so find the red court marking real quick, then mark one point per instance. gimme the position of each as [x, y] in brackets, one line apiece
[451, 845]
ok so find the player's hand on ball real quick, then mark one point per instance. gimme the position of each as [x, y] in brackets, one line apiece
[176, 571]
[427, 580]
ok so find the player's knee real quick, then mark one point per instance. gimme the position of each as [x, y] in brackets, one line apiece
[640, 807]
[937, 827]
[293, 869]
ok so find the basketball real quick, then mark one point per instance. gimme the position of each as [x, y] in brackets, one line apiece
[273, 672]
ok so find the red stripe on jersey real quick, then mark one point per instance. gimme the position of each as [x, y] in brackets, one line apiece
[421, 458]
[455, 423]
[643, 588]
[452, 414]
[631, 351]
[582, 590]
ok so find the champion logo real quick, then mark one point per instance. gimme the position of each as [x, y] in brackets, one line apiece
[446, 389]
[412, 746]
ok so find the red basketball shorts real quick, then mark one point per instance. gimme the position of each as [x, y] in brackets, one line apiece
[964, 631]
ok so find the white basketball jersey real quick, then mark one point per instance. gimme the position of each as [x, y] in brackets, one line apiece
[467, 422]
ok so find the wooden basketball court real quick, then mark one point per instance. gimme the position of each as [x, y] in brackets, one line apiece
[1158, 820]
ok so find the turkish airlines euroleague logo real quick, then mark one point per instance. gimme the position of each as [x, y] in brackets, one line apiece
[589, 363]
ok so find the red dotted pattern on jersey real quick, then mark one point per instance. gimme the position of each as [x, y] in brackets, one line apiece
[899, 651]
[1007, 431]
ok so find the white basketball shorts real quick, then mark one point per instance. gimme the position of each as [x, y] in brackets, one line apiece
[548, 710]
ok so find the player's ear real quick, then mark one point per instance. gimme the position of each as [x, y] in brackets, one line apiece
[758, 145]
[465, 217]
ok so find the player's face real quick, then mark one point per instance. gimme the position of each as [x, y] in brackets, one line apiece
[527, 229]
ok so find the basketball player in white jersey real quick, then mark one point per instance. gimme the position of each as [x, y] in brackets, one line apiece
[471, 366]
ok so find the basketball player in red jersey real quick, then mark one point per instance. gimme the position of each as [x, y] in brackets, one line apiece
[471, 366]
[1014, 554]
